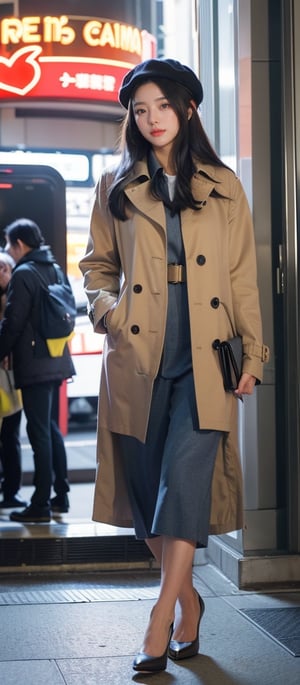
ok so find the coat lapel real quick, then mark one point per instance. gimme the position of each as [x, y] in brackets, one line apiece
[140, 196]
[203, 182]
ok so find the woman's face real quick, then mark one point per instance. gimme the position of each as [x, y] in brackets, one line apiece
[154, 116]
[5, 274]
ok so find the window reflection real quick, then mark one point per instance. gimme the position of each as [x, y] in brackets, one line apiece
[218, 73]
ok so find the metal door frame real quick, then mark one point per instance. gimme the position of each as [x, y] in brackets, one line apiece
[291, 227]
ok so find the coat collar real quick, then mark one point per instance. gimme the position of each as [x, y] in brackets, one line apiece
[206, 178]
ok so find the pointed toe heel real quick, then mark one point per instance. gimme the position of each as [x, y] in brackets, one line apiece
[145, 663]
[185, 650]
[150, 664]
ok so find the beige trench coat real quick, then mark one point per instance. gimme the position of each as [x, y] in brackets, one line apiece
[125, 271]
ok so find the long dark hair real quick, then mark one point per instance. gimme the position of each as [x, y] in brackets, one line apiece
[191, 143]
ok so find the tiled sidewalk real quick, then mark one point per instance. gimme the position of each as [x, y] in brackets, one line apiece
[84, 630]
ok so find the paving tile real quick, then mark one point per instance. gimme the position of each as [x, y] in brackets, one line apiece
[251, 657]
[70, 630]
[119, 672]
[213, 582]
[30, 673]
[94, 643]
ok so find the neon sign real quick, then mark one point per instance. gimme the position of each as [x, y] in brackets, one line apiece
[68, 57]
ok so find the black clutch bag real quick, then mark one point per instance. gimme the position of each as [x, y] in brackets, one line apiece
[230, 354]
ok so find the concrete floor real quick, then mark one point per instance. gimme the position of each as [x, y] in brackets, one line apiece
[85, 630]
[68, 628]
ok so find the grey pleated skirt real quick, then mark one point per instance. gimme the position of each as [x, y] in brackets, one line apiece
[169, 477]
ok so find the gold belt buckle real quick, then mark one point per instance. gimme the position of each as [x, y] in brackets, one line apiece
[176, 273]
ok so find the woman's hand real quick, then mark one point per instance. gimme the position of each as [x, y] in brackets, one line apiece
[246, 385]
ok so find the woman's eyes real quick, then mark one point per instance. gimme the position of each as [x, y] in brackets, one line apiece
[142, 110]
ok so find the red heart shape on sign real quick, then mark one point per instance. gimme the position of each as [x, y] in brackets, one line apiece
[21, 72]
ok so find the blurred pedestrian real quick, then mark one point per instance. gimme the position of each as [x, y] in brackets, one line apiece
[10, 443]
[37, 373]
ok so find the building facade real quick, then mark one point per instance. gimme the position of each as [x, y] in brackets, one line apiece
[248, 58]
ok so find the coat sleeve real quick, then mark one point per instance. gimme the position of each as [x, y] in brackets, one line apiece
[243, 275]
[101, 264]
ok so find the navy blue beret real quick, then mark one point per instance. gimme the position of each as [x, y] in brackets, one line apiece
[160, 68]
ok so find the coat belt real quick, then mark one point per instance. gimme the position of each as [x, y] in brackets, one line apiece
[176, 273]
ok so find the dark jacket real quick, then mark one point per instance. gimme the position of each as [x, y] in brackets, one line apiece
[19, 332]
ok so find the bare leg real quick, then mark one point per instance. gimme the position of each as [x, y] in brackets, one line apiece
[155, 546]
[188, 614]
[176, 573]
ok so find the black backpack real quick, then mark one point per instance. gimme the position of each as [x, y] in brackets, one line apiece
[57, 312]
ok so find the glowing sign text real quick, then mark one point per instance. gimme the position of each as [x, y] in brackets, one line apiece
[68, 57]
[95, 33]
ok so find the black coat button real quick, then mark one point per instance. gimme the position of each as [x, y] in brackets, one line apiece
[137, 288]
[135, 329]
[215, 302]
[201, 259]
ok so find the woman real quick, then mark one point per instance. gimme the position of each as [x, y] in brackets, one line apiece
[170, 266]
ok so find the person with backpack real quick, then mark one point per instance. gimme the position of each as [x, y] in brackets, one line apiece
[36, 372]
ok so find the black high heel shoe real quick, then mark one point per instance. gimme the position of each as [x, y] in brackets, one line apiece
[152, 664]
[184, 650]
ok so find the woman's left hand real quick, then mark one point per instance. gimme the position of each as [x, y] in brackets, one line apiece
[246, 385]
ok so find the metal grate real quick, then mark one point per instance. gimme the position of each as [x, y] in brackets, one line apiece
[282, 625]
[77, 596]
[66, 550]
